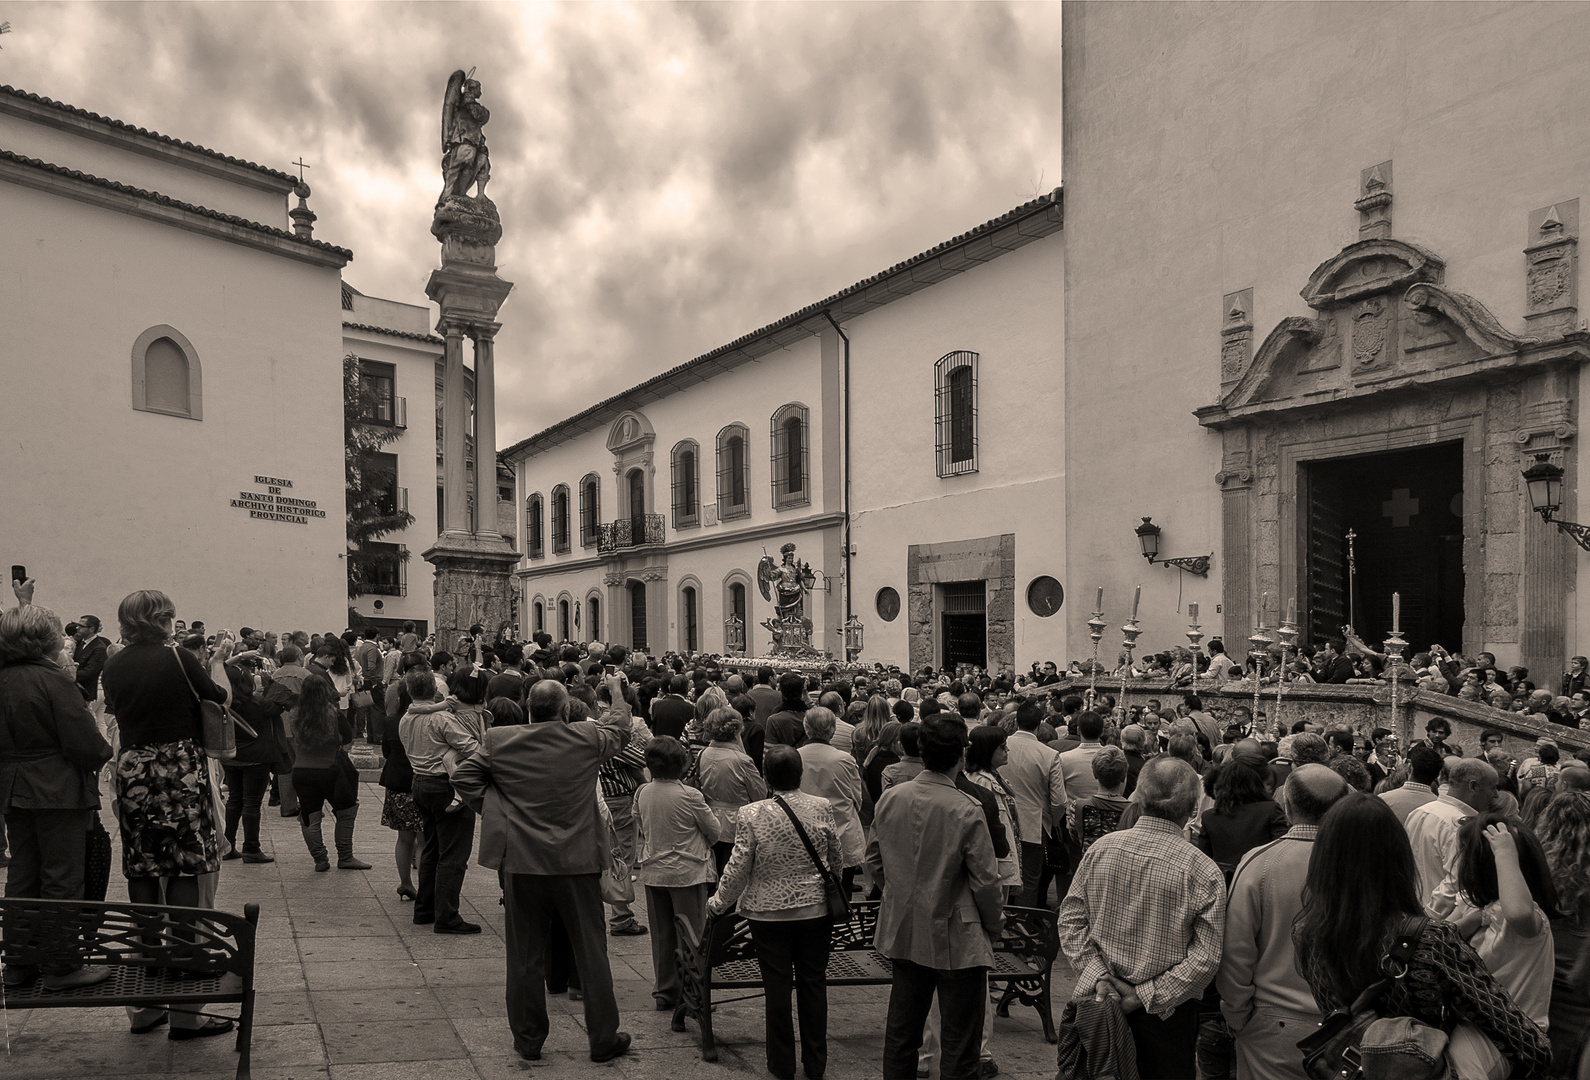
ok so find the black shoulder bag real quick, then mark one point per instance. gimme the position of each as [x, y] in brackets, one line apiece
[833, 894]
[1333, 1052]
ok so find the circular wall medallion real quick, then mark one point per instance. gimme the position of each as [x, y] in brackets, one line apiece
[888, 603]
[1044, 596]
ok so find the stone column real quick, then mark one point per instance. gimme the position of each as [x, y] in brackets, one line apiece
[485, 431]
[455, 505]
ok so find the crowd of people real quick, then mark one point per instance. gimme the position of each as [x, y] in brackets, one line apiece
[1219, 886]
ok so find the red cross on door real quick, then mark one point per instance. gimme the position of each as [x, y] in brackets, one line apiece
[1399, 508]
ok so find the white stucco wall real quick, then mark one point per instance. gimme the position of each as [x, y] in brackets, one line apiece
[1211, 148]
[100, 499]
[1011, 313]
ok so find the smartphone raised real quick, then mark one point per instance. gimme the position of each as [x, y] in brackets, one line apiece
[18, 572]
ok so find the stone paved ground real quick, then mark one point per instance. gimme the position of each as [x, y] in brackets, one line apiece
[350, 989]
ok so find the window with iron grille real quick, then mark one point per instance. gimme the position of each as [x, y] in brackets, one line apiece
[377, 397]
[590, 509]
[955, 429]
[540, 616]
[791, 475]
[686, 485]
[535, 539]
[560, 520]
[734, 473]
[689, 602]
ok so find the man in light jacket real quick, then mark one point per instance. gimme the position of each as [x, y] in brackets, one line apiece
[932, 854]
[535, 787]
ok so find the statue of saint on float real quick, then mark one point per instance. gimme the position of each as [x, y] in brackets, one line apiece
[791, 581]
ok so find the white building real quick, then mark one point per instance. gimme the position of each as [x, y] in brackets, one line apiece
[172, 387]
[920, 428]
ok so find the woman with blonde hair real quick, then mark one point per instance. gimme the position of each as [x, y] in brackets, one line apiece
[865, 737]
[164, 789]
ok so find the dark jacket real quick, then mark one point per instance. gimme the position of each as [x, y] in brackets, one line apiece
[1338, 669]
[990, 805]
[89, 656]
[670, 714]
[786, 727]
[266, 720]
[50, 747]
[1226, 837]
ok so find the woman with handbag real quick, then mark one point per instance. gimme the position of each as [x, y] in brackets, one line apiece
[675, 831]
[164, 789]
[323, 774]
[1362, 925]
[784, 873]
[50, 754]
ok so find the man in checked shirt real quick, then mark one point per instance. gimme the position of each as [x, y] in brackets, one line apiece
[1144, 920]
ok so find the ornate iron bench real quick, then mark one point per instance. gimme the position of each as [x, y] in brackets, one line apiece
[724, 959]
[159, 956]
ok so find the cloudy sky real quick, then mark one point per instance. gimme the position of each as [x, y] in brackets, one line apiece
[669, 176]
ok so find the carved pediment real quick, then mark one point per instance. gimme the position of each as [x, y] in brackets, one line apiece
[1368, 268]
[630, 430]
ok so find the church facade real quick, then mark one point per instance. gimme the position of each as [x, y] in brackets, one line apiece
[172, 386]
[905, 435]
[1322, 310]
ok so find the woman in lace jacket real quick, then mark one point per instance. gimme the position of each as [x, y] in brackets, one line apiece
[780, 892]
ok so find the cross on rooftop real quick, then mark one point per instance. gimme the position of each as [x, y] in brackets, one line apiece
[1399, 508]
[301, 167]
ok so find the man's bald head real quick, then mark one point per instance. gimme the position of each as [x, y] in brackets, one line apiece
[548, 700]
[1310, 791]
[1133, 737]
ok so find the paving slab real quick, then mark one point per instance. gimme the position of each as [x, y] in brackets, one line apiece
[348, 988]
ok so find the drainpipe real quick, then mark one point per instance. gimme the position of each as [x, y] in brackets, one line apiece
[845, 456]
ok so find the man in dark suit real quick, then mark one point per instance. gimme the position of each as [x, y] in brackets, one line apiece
[535, 787]
[1333, 666]
[671, 712]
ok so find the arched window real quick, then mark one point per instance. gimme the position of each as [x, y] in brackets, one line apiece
[955, 429]
[535, 536]
[790, 472]
[686, 485]
[590, 509]
[593, 618]
[563, 621]
[165, 374]
[734, 473]
[689, 620]
[737, 628]
[540, 616]
[560, 520]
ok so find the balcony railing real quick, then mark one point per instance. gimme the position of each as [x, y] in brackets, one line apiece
[631, 532]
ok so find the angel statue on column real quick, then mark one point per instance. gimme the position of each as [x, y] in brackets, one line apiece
[465, 160]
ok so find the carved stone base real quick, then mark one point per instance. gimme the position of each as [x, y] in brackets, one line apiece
[473, 584]
[472, 220]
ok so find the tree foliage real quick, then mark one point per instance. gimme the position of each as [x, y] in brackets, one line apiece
[372, 510]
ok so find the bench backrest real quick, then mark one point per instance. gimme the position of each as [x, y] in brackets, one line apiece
[142, 935]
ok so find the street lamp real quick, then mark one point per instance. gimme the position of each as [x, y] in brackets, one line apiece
[1543, 481]
[1148, 540]
[854, 633]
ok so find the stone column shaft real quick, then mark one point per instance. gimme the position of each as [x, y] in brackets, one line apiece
[485, 434]
[455, 504]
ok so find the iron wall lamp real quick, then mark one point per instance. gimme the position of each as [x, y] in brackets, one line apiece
[1543, 481]
[1148, 539]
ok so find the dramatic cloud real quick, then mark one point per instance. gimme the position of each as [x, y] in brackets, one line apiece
[669, 176]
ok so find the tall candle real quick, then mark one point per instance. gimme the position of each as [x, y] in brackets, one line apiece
[1264, 607]
[1291, 610]
[1396, 612]
[1192, 612]
[1136, 597]
[1098, 605]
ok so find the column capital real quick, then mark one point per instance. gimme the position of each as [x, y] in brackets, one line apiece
[485, 332]
[451, 327]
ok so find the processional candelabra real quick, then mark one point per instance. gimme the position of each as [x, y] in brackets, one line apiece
[1287, 634]
[1096, 626]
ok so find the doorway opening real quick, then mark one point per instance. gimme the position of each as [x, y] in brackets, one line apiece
[637, 616]
[1404, 513]
[963, 615]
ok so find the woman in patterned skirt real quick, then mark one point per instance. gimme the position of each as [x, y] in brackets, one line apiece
[163, 789]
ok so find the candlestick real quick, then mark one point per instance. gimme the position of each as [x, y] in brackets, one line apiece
[1396, 612]
[1137, 597]
[1192, 612]
[1098, 604]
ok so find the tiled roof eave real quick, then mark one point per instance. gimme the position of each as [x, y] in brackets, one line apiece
[86, 187]
[106, 129]
[1028, 222]
[429, 339]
